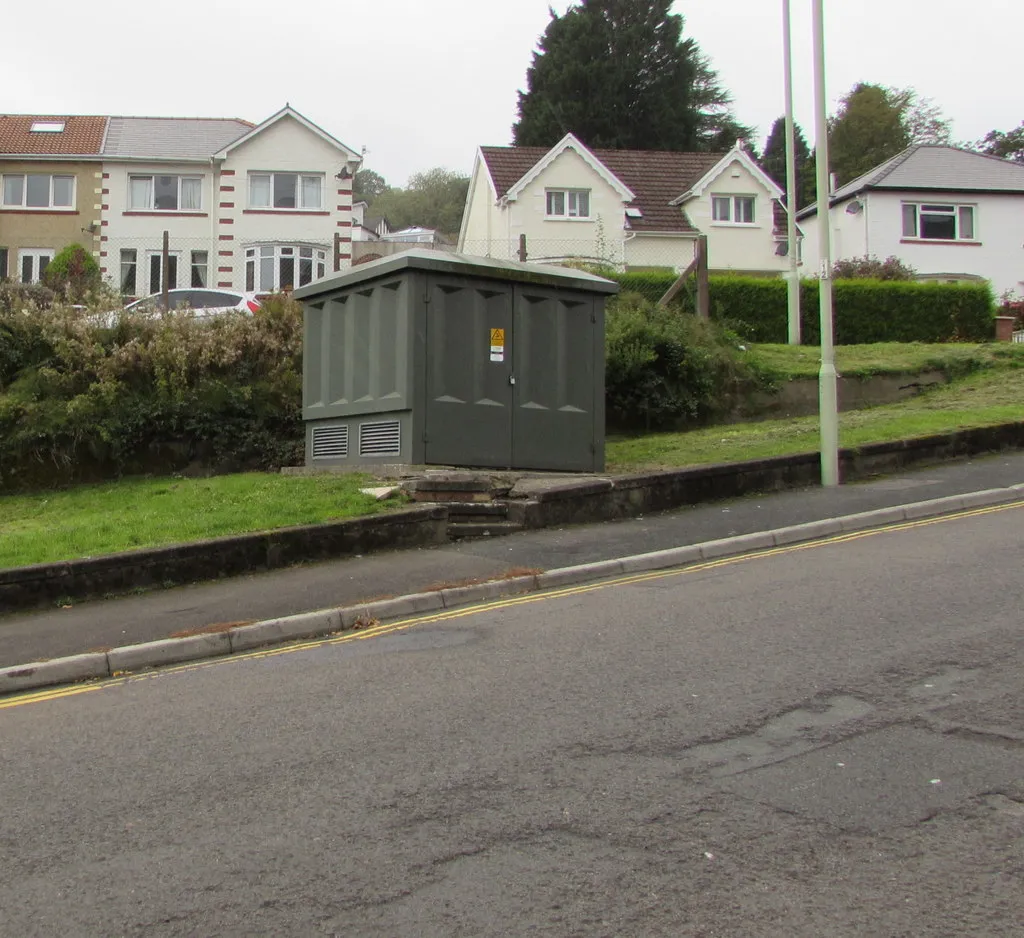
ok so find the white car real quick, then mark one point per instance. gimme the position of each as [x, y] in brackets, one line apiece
[201, 301]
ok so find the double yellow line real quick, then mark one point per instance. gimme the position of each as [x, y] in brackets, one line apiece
[57, 693]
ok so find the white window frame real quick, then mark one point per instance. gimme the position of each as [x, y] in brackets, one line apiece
[23, 206]
[129, 258]
[300, 205]
[151, 207]
[36, 254]
[570, 199]
[174, 266]
[256, 269]
[199, 267]
[953, 210]
[47, 127]
[731, 203]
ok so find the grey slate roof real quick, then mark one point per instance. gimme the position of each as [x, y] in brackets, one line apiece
[926, 167]
[186, 138]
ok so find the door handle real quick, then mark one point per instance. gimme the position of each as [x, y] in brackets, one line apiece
[511, 379]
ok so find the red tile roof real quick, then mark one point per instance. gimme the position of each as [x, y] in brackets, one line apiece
[655, 177]
[81, 135]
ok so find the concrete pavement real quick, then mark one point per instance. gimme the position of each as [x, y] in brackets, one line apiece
[102, 625]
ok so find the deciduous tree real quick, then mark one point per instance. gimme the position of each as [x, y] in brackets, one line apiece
[1007, 146]
[434, 199]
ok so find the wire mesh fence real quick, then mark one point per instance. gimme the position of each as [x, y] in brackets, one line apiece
[136, 266]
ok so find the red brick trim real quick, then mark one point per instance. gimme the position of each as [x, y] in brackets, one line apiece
[168, 214]
[103, 253]
[344, 239]
[104, 238]
[227, 205]
[344, 256]
[225, 270]
[224, 283]
[104, 192]
[227, 188]
[105, 208]
[103, 270]
[227, 221]
[344, 192]
[104, 223]
[35, 211]
[106, 175]
[280, 211]
[227, 172]
[226, 253]
[226, 237]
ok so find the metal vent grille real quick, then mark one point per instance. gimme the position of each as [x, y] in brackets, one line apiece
[380, 439]
[330, 442]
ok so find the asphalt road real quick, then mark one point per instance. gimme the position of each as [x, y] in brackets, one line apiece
[104, 624]
[824, 741]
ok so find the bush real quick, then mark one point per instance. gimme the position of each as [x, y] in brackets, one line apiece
[81, 398]
[756, 308]
[24, 296]
[73, 273]
[666, 368]
[871, 268]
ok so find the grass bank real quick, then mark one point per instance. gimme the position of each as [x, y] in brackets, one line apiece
[92, 520]
[784, 362]
[991, 396]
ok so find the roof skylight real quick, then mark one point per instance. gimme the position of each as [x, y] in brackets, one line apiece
[47, 127]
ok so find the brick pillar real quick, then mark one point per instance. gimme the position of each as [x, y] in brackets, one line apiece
[1004, 328]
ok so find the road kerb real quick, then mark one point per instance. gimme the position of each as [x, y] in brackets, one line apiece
[56, 671]
[168, 651]
[325, 622]
[286, 629]
[810, 531]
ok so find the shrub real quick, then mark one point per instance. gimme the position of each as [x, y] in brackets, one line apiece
[73, 273]
[870, 267]
[667, 368]
[24, 296]
[82, 397]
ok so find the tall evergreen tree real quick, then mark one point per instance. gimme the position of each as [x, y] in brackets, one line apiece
[619, 74]
[774, 161]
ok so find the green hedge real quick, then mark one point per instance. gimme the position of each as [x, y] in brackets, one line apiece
[865, 311]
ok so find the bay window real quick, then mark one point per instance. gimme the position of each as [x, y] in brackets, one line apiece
[271, 267]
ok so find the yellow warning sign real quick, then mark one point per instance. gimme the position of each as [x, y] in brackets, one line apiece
[497, 337]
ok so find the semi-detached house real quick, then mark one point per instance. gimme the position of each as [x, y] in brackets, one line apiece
[250, 207]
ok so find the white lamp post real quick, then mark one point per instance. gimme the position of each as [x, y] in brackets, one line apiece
[791, 195]
[827, 397]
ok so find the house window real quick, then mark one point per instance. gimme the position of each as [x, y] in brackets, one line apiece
[38, 190]
[271, 267]
[47, 127]
[568, 203]
[156, 270]
[3, 263]
[938, 222]
[732, 209]
[165, 193]
[294, 191]
[33, 263]
[200, 267]
[129, 271]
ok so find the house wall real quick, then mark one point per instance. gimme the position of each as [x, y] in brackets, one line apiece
[651, 251]
[733, 247]
[142, 231]
[483, 218]
[599, 236]
[997, 255]
[286, 146]
[52, 228]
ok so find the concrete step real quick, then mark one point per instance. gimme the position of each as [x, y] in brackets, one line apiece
[463, 529]
[477, 511]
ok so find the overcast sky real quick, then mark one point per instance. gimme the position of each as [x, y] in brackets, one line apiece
[422, 83]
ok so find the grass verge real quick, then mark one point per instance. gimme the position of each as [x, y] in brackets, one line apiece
[91, 520]
[783, 362]
[981, 399]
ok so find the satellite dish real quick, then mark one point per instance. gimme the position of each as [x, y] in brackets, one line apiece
[855, 207]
